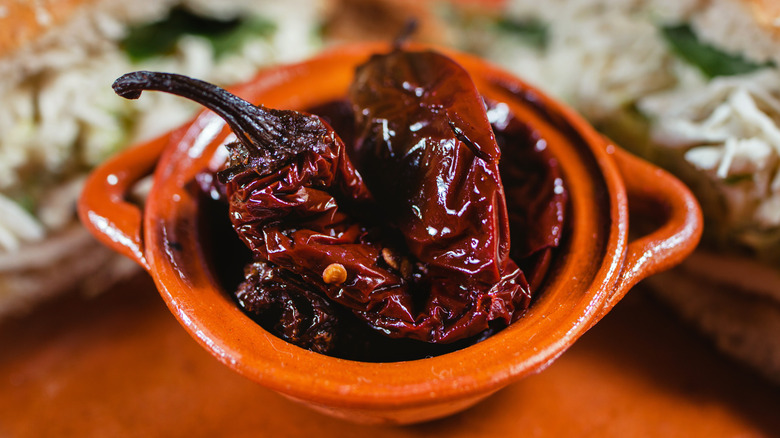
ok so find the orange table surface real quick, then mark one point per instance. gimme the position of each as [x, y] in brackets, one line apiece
[120, 365]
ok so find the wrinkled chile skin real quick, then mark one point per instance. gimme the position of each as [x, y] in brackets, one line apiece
[428, 153]
[294, 218]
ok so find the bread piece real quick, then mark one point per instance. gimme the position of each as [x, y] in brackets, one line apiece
[56, 34]
[24, 21]
[733, 301]
[68, 259]
[767, 14]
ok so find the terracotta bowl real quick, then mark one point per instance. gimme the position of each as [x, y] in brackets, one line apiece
[593, 270]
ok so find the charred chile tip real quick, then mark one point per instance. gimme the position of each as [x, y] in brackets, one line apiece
[131, 85]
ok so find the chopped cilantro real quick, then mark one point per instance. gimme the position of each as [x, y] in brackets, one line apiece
[27, 202]
[530, 31]
[707, 58]
[159, 38]
[737, 179]
[232, 41]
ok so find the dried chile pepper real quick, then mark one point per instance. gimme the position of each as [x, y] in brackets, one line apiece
[277, 183]
[418, 250]
[427, 151]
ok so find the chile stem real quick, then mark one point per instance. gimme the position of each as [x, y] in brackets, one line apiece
[256, 127]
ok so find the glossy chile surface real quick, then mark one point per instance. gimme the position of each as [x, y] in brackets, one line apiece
[596, 265]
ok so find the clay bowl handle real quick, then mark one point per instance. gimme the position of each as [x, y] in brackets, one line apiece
[655, 194]
[103, 208]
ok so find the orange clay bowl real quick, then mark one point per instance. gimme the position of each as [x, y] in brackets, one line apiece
[594, 268]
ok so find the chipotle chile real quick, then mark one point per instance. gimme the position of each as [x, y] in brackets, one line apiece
[397, 220]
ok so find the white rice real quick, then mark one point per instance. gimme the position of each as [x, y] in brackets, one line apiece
[729, 127]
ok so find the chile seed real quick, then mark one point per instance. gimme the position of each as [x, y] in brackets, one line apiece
[335, 273]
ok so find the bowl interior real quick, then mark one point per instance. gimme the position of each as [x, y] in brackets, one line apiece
[581, 277]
